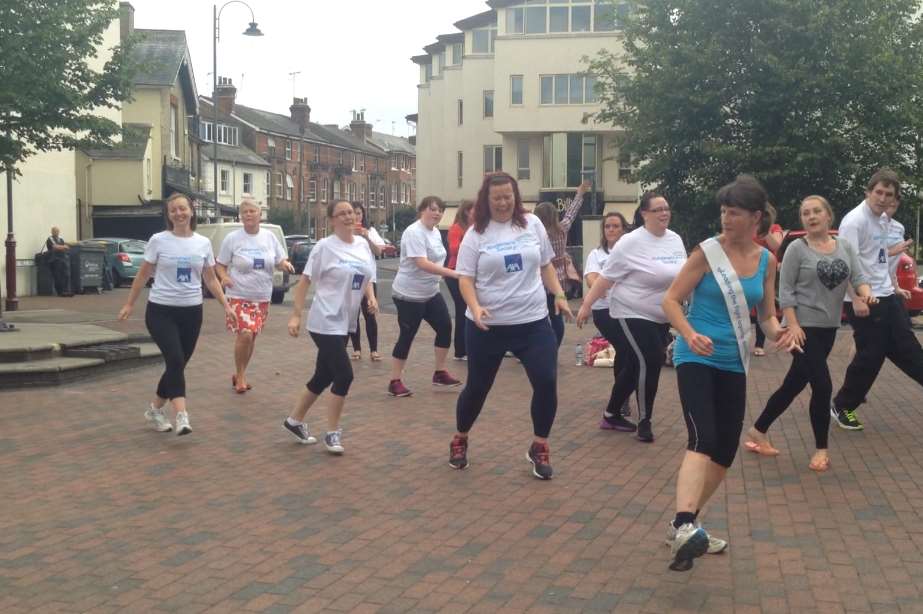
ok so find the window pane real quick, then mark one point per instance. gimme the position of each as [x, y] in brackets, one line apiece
[498, 158]
[589, 153]
[559, 159]
[481, 41]
[580, 18]
[488, 160]
[574, 159]
[535, 20]
[560, 89]
[488, 104]
[457, 52]
[605, 17]
[516, 89]
[590, 94]
[576, 89]
[557, 19]
[547, 89]
[514, 21]
[522, 155]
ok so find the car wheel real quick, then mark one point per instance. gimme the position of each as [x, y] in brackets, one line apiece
[277, 297]
[116, 279]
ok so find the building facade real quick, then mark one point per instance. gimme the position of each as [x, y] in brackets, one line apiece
[509, 91]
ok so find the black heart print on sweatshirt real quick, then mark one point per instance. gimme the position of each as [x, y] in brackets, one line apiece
[832, 272]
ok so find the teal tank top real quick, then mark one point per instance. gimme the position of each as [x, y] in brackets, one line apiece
[708, 316]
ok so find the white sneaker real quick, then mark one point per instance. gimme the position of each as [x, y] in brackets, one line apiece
[158, 420]
[690, 543]
[333, 443]
[182, 423]
[715, 545]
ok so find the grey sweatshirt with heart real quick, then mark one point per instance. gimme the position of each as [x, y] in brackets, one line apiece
[815, 283]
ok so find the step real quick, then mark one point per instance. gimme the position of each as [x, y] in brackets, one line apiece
[89, 363]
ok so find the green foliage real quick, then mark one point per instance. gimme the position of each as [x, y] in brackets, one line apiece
[404, 217]
[284, 217]
[809, 96]
[49, 90]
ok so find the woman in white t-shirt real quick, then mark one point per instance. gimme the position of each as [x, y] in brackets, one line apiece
[505, 264]
[639, 269]
[179, 259]
[246, 260]
[376, 243]
[415, 293]
[613, 226]
[342, 269]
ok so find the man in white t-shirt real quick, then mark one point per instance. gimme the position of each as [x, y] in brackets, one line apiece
[881, 330]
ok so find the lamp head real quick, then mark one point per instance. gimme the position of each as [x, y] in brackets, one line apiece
[253, 30]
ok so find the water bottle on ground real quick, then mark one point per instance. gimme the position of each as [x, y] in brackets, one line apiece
[579, 354]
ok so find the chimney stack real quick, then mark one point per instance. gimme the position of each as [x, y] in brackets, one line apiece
[359, 127]
[126, 20]
[226, 93]
[301, 112]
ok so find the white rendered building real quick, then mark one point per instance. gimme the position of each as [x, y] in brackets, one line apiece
[510, 91]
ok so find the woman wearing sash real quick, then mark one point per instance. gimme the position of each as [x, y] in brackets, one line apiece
[815, 272]
[725, 276]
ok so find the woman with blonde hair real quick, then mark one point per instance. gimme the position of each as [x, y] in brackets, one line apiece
[816, 270]
[463, 217]
[246, 260]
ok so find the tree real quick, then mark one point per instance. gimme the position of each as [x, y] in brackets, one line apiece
[49, 90]
[811, 97]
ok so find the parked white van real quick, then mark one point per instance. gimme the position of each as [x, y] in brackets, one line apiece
[216, 234]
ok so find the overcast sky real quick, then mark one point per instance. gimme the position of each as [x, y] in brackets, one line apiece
[351, 54]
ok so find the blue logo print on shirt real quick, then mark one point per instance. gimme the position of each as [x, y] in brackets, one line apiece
[513, 263]
[882, 258]
[259, 264]
[357, 281]
[183, 270]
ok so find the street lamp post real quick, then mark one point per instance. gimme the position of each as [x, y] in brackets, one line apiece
[12, 302]
[252, 30]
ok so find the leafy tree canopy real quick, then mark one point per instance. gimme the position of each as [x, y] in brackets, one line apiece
[811, 96]
[49, 91]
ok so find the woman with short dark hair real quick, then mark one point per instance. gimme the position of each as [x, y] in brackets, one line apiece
[505, 267]
[415, 293]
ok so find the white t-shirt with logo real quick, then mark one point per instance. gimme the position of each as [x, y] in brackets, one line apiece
[411, 281]
[594, 264]
[340, 272]
[178, 263]
[868, 234]
[251, 259]
[505, 262]
[642, 266]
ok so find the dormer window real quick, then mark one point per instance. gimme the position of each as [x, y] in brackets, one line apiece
[483, 40]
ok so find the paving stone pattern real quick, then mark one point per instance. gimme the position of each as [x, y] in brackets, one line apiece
[101, 514]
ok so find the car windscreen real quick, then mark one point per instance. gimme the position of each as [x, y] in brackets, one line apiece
[132, 247]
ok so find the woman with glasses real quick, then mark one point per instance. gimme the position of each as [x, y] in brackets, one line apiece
[639, 269]
[415, 293]
[367, 232]
[342, 269]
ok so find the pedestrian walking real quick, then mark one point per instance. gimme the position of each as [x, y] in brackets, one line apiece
[557, 230]
[246, 260]
[366, 231]
[505, 267]
[637, 273]
[463, 218]
[816, 271]
[881, 330]
[342, 269]
[179, 259]
[415, 294]
[726, 276]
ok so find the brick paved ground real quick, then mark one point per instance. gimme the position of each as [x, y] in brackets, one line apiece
[100, 514]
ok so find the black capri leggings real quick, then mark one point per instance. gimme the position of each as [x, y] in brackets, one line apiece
[371, 325]
[714, 402]
[175, 330]
[808, 367]
[332, 365]
[409, 316]
[639, 349]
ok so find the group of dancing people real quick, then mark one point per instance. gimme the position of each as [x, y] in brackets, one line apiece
[504, 268]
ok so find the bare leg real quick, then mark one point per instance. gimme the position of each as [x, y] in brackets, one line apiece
[179, 404]
[441, 355]
[302, 405]
[714, 475]
[334, 411]
[158, 403]
[243, 351]
[690, 482]
[397, 367]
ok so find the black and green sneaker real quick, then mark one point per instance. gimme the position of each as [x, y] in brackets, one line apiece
[846, 418]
